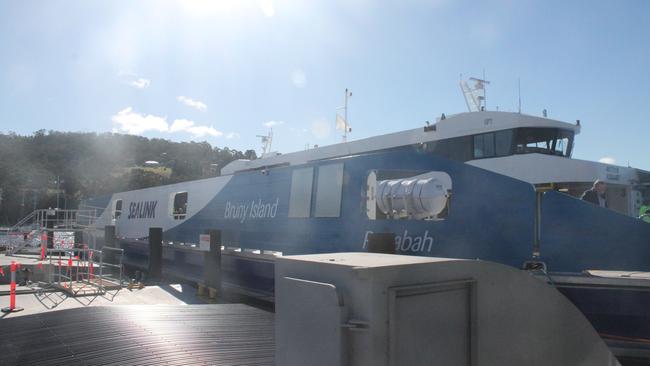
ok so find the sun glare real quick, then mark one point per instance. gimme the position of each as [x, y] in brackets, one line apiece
[203, 8]
[206, 8]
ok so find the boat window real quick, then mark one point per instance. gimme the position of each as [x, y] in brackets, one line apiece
[503, 142]
[179, 210]
[328, 191]
[484, 145]
[117, 209]
[561, 146]
[550, 141]
[300, 199]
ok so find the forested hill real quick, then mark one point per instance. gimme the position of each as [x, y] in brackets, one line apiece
[88, 164]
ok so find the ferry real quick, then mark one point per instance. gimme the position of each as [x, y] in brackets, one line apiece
[491, 185]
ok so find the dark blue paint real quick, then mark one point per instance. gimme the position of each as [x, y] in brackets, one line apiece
[578, 235]
[492, 217]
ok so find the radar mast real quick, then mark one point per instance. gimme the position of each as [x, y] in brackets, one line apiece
[474, 96]
[266, 140]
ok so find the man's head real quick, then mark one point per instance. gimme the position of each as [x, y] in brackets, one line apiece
[600, 186]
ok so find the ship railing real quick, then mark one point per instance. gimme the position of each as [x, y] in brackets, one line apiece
[19, 226]
[79, 269]
[58, 218]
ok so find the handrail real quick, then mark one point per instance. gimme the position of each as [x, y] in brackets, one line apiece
[22, 222]
[85, 267]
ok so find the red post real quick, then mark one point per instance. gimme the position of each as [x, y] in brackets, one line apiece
[70, 268]
[43, 245]
[91, 269]
[12, 290]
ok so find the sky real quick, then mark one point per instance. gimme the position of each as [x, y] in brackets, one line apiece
[224, 71]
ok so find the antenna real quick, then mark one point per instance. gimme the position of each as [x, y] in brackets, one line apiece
[266, 140]
[519, 91]
[342, 122]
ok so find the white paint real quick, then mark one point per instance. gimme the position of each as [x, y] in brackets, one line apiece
[408, 243]
[200, 193]
[256, 209]
[462, 124]
[554, 169]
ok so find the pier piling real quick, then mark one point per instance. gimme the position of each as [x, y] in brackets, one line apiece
[155, 252]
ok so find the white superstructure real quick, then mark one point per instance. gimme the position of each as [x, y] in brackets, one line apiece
[533, 149]
[462, 124]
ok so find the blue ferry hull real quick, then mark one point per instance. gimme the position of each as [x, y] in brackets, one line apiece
[491, 217]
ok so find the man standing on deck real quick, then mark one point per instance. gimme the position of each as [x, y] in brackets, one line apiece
[596, 194]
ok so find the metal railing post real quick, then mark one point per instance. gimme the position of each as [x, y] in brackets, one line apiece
[101, 268]
[58, 280]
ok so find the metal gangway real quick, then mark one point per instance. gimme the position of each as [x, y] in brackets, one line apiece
[41, 225]
[85, 271]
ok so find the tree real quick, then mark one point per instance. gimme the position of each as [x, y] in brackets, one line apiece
[95, 164]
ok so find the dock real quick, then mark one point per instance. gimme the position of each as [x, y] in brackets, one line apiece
[222, 334]
[329, 309]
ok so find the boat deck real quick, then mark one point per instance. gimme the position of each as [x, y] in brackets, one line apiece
[602, 279]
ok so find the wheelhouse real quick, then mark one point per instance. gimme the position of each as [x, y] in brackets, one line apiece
[526, 140]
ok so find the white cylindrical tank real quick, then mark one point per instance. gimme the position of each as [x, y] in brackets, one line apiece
[418, 197]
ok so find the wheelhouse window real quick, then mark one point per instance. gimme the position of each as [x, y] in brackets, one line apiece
[503, 142]
[179, 207]
[551, 141]
[484, 145]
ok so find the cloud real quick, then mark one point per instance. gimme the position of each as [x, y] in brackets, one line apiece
[273, 123]
[184, 125]
[134, 123]
[180, 125]
[232, 135]
[198, 105]
[298, 78]
[607, 160]
[140, 83]
[320, 128]
[133, 80]
[267, 7]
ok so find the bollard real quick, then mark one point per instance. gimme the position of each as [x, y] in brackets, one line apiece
[212, 293]
[200, 291]
[12, 290]
[110, 240]
[155, 252]
[212, 263]
[109, 235]
[381, 243]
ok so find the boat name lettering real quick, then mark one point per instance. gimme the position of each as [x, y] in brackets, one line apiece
[142, 210]
[408, 243]
[256, 209]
